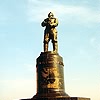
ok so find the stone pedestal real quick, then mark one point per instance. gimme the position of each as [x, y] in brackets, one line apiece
[50, 77]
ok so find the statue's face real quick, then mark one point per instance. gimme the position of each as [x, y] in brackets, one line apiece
[50, 15]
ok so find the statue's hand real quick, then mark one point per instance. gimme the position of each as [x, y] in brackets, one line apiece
[52, 25]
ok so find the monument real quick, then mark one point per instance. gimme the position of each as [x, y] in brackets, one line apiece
[50, 67]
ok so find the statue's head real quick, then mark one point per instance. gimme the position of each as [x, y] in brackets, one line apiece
[50, 15]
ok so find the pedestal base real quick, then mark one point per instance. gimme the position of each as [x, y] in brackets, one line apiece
[60, 98]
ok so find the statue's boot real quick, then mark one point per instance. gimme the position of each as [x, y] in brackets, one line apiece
[55, 47]
[45, 47]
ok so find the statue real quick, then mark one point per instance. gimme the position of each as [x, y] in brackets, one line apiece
[50, 32]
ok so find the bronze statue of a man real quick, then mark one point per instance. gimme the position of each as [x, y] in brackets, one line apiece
[50, 32]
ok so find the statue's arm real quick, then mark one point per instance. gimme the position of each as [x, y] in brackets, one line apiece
[44, 23]
[55, 23]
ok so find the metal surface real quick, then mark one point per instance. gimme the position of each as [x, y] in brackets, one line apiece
[50, 32]
[50, 76]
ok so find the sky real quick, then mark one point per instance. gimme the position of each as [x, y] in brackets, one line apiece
[21, 42]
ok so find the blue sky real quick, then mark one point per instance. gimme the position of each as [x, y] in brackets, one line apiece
[21, 42]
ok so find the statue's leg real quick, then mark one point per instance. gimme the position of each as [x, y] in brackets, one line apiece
[45, 47]
[55, 46]
[46, 40]
[55, 43]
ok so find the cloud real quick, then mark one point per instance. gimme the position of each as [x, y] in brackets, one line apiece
[38, 10]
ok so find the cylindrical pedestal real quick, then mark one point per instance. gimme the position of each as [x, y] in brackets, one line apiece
[50, 77]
